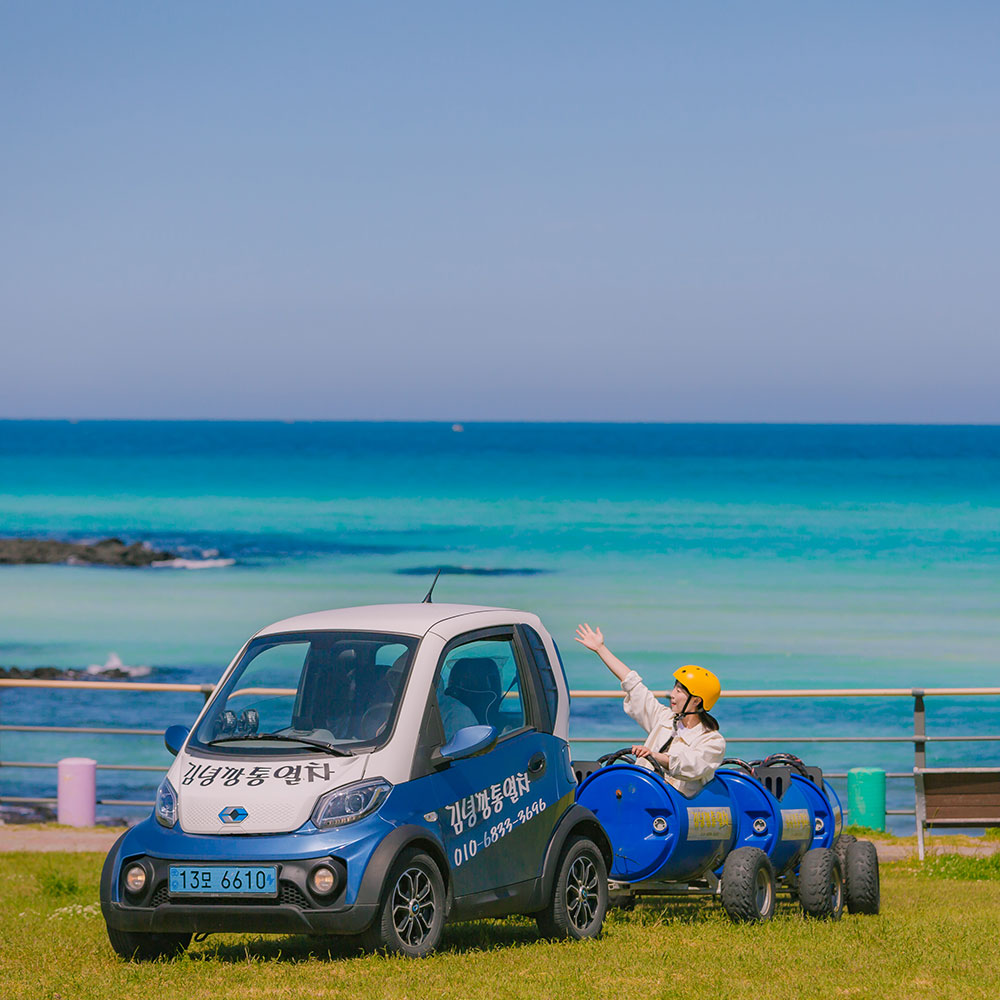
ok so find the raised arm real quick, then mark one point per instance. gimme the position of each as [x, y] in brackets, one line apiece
[593, 639]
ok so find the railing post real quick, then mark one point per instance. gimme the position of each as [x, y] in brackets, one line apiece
[919, 729]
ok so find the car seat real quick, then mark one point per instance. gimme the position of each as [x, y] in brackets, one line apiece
[475, 682]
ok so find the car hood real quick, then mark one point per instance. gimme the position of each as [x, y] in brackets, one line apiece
[255, 794]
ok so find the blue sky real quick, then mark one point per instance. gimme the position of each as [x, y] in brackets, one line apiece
[561, 211]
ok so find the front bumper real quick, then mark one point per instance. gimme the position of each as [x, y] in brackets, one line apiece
[296, 909]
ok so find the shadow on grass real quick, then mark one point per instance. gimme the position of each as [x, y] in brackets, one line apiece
[457, 940]
[464, 938]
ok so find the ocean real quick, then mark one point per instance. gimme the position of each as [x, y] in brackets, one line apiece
[778, 556]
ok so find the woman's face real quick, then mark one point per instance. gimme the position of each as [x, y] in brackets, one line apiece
[679, 697]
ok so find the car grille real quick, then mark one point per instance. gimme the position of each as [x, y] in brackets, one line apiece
[289, 894]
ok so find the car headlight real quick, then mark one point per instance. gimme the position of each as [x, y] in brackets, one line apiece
[345, 805]
[165, 809]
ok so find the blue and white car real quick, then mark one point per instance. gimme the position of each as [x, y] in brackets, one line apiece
[370, 771]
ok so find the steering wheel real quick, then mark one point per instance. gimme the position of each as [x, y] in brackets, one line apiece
[374, 719]
[740, 764]
[616, 755]
[788, 759]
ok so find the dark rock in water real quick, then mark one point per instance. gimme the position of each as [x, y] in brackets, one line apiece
[34, 673]
[28, 813]
[471, 571]
[60, 674]
[108, 552]
[114, 821]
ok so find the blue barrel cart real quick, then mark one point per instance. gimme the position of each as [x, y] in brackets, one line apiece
[756, 831]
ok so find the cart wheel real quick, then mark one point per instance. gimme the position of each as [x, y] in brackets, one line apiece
[411, 917]
[142, 946]
[579, 893]
[748, 885]
[840, 849]
[821, 884]
[863, 890]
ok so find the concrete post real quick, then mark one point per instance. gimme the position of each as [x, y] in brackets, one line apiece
[77, 792]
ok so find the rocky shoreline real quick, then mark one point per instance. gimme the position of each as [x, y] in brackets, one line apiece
[62, 674]
[107, 552]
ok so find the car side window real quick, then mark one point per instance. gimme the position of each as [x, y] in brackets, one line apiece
[480, 684]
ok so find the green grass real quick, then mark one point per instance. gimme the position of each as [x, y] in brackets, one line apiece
[934, 939]
[955, 866]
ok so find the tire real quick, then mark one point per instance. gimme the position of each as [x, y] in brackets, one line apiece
[840, 849]
[143, 946]
[821, 884]
[410, 918]
[748, 886]
[579, 893]
[863, 890]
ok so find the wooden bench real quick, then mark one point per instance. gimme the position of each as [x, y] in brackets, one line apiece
[956, 796]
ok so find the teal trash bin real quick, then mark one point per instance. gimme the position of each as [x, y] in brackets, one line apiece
[866, 797]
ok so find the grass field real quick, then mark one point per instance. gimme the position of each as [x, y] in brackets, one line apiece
[935, 939]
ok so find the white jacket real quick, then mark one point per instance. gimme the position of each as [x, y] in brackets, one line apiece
[695, 752]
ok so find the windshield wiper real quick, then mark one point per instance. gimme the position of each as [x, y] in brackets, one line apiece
[319, 744]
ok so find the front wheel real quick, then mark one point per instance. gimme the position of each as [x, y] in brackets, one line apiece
[411, 917]
[579, 893]
[748, 885]
[821, 884]
[143, 946]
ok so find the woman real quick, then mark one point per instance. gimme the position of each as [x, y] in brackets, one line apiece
[684, 740]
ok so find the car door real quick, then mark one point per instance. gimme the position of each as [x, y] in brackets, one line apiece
[497, 810]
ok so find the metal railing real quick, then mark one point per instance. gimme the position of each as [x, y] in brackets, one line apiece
[918, 737]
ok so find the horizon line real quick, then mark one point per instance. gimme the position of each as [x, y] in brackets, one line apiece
[456, 423]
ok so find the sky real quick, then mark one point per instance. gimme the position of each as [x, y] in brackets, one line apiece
[647, 211]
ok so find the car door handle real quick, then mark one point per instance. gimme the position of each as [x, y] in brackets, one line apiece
[536, 766]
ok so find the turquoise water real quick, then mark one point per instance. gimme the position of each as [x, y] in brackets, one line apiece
[778, 556]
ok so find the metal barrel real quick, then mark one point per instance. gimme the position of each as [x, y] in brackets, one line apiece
[797, 810]
[656, 833]
[838, 812]
[757, 811]
[824, 827]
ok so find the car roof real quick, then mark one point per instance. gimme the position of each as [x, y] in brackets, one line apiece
[409, 619]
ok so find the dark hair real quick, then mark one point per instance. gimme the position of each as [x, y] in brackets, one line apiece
[708, 721]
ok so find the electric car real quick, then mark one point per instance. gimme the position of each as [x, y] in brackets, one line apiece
[374, 772]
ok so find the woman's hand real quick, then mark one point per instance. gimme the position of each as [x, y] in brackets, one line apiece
[592, 638]
[661, 758]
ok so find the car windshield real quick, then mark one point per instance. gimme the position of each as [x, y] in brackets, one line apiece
[309, 692]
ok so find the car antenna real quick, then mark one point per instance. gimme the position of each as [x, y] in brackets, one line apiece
[427, 599]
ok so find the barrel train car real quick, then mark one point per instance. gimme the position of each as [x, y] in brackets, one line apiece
[756, 831]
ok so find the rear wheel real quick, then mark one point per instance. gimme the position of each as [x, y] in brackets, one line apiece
[142, 946]
[579, 893]
[411, 917]
[840, 849]
[821, 884]
[748, 885]
[861, 872]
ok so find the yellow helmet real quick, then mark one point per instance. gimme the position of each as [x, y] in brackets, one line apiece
[701, 683]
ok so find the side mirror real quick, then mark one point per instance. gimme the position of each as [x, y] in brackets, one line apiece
[174, 737]
[468, 742]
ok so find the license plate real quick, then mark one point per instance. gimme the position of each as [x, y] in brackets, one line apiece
[230, 880]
